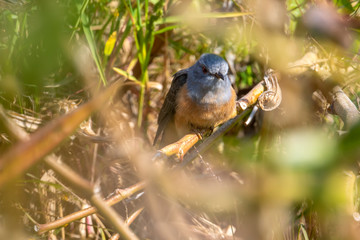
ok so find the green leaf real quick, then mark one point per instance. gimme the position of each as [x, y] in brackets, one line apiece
[92, 44]
[303, 230]
[165, 29]
[126, 74]
[346, 4]
[350, 141]
[110, 43]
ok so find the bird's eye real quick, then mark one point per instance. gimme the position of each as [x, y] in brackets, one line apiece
[204, 69]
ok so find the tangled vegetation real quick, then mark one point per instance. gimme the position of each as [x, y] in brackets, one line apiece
[81, 86]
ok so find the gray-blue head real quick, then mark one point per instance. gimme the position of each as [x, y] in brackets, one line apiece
[208, 80]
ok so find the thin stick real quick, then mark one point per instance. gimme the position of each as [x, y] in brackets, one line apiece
[111, 215]
[182, 146]
[344, 107]
[128, 221]
[119, 196]
[251, 97]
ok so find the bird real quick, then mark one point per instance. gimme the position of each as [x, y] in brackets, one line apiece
[200, 98]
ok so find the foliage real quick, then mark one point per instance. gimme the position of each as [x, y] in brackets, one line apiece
[291, 174]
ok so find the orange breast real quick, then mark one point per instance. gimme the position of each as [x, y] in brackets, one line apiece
[190, 114]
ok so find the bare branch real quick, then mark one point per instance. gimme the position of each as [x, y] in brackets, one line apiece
[344, 107]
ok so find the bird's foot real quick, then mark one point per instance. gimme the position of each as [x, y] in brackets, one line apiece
[202, 132]
[179, 148]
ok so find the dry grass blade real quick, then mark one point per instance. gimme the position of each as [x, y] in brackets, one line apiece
[92, 44]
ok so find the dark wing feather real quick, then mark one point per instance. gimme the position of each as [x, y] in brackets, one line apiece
[167, 111]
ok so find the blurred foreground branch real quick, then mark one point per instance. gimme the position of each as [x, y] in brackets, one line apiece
[340, 103]
[31, 148]
[128, 221]
[120, 194]
[29, 151]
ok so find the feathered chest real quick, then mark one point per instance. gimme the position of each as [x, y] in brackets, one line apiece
[209, 92]
[206, 112]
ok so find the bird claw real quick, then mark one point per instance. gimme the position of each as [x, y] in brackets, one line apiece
[180, 155]
[199, 135]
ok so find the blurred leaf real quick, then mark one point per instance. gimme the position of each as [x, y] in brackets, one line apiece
[350, 142]
[126, 74]
[295, 8]
[214, 15]
[338, 191]
[92, 44]
[110, 43]
[178, 46]
[78, 21]
[304, 149]
[155, 85]
[166, 29]
[345, 4]
[304, 233]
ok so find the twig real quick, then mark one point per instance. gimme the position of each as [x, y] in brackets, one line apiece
[30, 150]
[252, 115]
[119, 196]
[112, 216]
[344, 107]
[180, 147]
[96, 146]
[79, 184]
[128, 221]
[82, 186]
[24, 151]
[133, 216]
[251, 97]
[100, 226]
[341, 105]
[11, 128]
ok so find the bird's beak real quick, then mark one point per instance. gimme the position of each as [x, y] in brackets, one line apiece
[219, 75]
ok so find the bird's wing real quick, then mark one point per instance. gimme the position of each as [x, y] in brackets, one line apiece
[167, 111]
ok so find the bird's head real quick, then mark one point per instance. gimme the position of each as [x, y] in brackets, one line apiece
[208, 77]
[211, 67]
